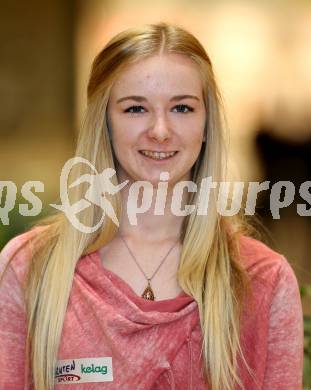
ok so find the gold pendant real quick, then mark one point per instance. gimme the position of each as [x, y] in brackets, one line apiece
[148, 293]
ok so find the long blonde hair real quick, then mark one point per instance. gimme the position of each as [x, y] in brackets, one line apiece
[209, 268]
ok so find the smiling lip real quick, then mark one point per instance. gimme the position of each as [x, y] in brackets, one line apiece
[158, 152]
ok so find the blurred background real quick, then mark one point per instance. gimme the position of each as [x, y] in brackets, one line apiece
[261, 51]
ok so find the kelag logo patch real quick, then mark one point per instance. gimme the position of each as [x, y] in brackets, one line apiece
[84, 370]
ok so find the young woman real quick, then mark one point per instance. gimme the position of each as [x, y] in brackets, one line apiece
[174, 301]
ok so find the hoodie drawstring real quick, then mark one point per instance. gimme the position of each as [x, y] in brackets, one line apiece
[190, 362]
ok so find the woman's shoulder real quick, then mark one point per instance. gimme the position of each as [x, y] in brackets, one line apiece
[18, 251]
[264, 263]
[273, 324]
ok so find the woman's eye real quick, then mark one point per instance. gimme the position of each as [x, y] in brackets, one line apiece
[184, 107]
[134, 109]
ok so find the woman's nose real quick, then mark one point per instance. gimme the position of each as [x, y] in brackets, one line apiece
[160, 130]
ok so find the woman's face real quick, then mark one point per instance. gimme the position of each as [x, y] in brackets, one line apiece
[156, 106]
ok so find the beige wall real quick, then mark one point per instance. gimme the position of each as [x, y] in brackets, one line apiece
[37, 94]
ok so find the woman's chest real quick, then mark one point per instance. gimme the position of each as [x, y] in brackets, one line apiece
[163, 277]
[106, 343]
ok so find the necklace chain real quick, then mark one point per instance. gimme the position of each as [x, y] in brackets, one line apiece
[149, 279]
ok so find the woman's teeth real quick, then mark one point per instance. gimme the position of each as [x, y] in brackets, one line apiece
[157, 155]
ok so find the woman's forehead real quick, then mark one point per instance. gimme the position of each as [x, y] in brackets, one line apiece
[171, 74]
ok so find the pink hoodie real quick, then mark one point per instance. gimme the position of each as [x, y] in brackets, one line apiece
[114, 339]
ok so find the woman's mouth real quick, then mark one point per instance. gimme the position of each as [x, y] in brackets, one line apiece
[157, 155]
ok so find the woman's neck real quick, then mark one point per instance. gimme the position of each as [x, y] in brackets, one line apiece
[146, 224]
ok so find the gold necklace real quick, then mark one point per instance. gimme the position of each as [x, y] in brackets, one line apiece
[148, 292]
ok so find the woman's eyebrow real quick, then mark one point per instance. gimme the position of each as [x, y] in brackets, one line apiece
[143, 99]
